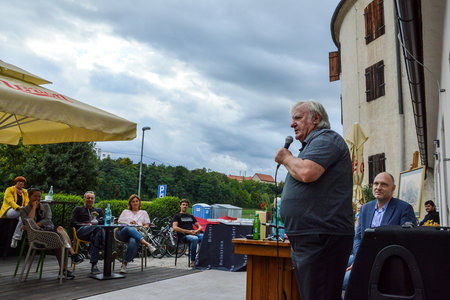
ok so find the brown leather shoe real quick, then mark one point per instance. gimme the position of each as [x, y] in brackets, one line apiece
[192, 263]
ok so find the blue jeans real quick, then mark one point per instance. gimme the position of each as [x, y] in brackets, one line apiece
[194, 240]
[131, 236]
[347, 273]
[96, 236]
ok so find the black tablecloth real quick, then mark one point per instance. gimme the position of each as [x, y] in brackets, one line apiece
[217, 249]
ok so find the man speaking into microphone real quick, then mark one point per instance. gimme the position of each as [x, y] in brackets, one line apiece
[316, 203]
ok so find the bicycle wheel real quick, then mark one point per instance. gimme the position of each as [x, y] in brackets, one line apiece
[182, 250]
[170, 246]
[157, 242]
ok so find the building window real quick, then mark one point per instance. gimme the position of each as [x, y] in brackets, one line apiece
[375, 81]
[374, 20]
[377, 164]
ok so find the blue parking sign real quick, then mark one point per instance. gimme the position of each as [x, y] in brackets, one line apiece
[162, 191]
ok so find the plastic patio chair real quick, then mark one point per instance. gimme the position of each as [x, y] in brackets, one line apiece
[142, 246]
[76, 244]
[42, 240]
[19, 258]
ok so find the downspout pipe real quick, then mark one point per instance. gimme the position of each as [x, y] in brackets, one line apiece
[410, 27]
[400, 99]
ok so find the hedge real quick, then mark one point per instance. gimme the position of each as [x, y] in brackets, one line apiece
[158, 208]
[57, 209]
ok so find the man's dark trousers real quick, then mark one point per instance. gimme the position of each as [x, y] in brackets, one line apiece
[96, 236]
[320, 261]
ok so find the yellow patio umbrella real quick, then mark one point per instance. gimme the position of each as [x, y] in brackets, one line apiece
[42, 116]
[356, 139]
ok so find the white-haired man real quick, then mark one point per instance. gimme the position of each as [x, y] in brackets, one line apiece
[316, 203]
[81, 219]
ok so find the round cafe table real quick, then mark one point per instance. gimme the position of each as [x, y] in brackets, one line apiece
[108, 259]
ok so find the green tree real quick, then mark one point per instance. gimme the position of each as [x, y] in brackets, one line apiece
[20, 160]
[71, 168]
[118, 178]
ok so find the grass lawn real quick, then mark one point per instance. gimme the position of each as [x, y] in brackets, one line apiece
[248, 213]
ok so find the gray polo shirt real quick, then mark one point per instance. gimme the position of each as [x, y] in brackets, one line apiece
[323, 206]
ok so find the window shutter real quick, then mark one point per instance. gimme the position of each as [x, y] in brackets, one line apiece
[382, 163]
[380, 18]
[377, 164]
[368, 23]
[379, 71]
[375, 81]
[369, 88]
[374, 20]
[334, 64]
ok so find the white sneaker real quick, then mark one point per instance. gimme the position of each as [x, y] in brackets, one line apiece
[13, 243]
[151, 248]
[123, 269]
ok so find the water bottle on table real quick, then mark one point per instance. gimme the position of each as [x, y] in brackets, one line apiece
[278, 222]
[49, 196]
[108, 215]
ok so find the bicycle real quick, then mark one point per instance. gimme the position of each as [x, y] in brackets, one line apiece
[150, 236]
[170, 240]
[155, 238]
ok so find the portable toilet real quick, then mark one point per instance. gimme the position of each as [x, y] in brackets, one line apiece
[233, 211]
[201, 210]
[218, 211]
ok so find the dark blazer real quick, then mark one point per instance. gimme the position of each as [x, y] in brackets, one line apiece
[398, 212]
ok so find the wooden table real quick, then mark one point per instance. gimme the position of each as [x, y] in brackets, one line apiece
[262, 269]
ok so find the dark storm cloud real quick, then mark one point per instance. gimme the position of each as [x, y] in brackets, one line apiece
[261, 45]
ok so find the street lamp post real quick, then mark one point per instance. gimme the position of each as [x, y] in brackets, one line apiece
[142, 153]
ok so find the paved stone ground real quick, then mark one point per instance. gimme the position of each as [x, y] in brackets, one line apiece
[204, 285]
[166, 262]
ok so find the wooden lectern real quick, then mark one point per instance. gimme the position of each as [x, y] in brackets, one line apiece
[262, 269]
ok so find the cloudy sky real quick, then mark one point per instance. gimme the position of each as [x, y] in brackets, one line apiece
[214, 79]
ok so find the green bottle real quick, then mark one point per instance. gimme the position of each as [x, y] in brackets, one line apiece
[256, 227]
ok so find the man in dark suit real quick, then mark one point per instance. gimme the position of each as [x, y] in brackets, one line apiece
[385, 211]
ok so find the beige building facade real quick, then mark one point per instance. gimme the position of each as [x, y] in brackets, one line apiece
[376, 86]
[440, 17]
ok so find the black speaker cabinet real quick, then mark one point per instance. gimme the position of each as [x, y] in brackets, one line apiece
[402, 263]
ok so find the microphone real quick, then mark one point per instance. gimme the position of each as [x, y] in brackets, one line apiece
[287, 142]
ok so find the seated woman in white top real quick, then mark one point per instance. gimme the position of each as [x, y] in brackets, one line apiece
[133, 216]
